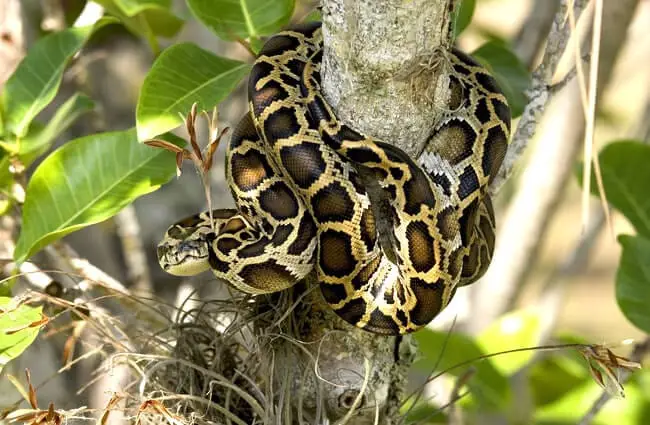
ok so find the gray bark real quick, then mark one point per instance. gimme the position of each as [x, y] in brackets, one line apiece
[379, 70]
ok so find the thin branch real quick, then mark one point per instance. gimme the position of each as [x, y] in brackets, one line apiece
[542, 184]
[539, 92]
[137, 270]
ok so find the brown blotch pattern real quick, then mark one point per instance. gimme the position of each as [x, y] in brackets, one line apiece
[335, 254]
[227, 244]
[447, 224]
[488, 83]
[304, 162]
[353, 311]
[382, 324]
[281, 124]
[233, 226]
[454, 141]
[255, 249]
[332, 203]
[418, 192]
[366, 273]
[456, 90]
[279, 201]
[464, 57]
[420, 245]
[503, 111]
[429, 301]
[482, 112]
[281, 234]
[265, 96]
[495, 151]
[469, 183]
[368, 229]
[266, 276]
[333, 293]
[467, 221]
[249, 169]
[279, 44]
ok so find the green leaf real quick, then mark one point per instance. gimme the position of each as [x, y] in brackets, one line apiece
[514, 330]
[182, 75]
[40, 137]
[36, 80]
[626, 174]
[464, 13]
[510, 73]
[133, 7]
[488, 387]
[16, 334]
[5, 288]
[41, 140]
[233, 19]
[145, 18]
[633, 281]
[87, 181]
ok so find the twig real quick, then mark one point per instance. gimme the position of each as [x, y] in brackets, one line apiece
[638, 353]
[590, 124]
[538, 93]
[68, 259]
[137, 270]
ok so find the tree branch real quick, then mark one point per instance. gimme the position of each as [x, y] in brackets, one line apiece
[373, 50]
[375, 53]
[522, 230]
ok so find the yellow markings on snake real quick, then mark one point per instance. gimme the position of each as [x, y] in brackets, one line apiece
[302, 207]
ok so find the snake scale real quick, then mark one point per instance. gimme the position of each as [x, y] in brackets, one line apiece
[301, 204]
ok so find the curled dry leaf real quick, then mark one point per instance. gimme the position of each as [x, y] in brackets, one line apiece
[212, 148]
[112, 403]
[36, 417]
[156, 407]
[602, 360]
[71, 341]
[32, 392]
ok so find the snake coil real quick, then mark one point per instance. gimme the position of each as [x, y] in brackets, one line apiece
[301, 204]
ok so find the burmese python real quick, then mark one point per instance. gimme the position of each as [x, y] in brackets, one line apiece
[301, 204]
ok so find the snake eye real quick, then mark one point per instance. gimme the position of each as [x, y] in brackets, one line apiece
[347, 399]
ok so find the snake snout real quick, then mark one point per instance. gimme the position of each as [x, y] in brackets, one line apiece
[184, 258]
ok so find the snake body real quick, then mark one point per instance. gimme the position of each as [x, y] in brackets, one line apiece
[301, 204]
